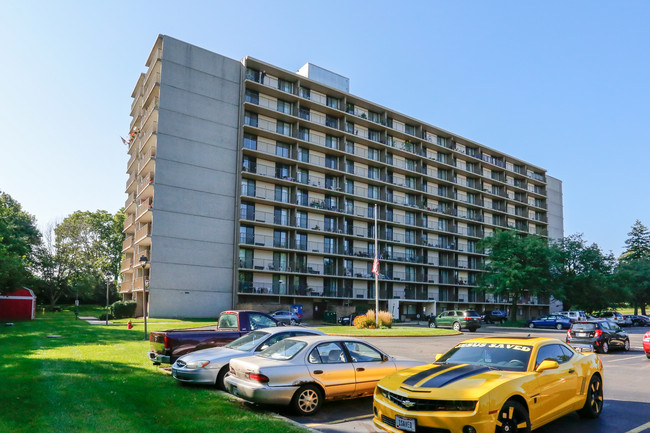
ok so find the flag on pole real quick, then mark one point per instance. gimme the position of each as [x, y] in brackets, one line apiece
[375, 266]
[123, 140]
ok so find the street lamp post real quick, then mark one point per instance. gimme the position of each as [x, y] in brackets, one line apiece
[107, 285]
[143, 262]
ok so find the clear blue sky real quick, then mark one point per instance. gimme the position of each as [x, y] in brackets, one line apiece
[562, 85]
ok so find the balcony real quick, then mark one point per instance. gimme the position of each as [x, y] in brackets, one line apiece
[126, 265]
[128, 224]
[143, 235]
[143, 212]
[126, 287]
[127, 244]
[145, 187]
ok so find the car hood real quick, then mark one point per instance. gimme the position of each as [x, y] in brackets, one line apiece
[214, 354]
[448, 381]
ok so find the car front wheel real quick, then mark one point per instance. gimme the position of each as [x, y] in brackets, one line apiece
[222, 374]
[647, 355]
[513, 418]
[594, 403]
[293, 322]
[307, 400]
[433, 325]
[531, 325]
[626, 347]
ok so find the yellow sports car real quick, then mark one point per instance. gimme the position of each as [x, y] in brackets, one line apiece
[491, 384]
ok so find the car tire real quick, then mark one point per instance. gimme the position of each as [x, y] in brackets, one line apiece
[293, 322]
[433, 325]
[456, 326]
[604, 347]
[594, 402]
[222, 374]
[531, 325]
[513, 418]
[472, 329]
[307, 400]
[626, 345]
[558, 326]
[647, 355]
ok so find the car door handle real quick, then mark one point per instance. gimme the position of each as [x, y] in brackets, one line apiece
[318, 371]
[361, 369]
[572, 371]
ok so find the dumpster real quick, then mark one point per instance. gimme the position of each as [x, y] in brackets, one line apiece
[329, 317]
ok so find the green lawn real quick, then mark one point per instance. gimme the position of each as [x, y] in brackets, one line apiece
[97, 379]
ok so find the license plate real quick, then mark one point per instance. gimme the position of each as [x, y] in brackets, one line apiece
[403, 423]
[581, 334]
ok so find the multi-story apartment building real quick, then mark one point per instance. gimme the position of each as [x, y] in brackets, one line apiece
[250, 185]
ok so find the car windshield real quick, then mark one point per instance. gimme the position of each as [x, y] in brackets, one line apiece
[248, 342]
[583, 327]
[512, 357]
[283, 350]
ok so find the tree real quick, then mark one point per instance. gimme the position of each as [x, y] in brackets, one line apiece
[18, 239]
[634, 277]
[52, 272]
[89, 246]
[517, 265]
[637, 245]
[584, 275]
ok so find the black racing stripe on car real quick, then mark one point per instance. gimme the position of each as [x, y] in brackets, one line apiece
[451, 376]
[423, 374]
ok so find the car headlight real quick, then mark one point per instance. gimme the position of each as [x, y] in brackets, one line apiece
[192, 365]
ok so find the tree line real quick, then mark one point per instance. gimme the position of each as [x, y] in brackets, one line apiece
[569, 269]
[74, 259]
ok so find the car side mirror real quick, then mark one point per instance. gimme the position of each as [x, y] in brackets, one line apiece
[438, 356]
[547, 364]
[384, 358]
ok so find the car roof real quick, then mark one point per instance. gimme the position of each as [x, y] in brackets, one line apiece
[324, 338]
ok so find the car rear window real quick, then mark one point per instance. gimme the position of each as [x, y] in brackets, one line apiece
[583, 326]
[472, 314]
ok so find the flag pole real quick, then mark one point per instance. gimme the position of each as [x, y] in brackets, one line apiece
[376, 273]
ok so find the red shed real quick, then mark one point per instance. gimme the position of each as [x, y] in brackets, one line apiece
[18, 305]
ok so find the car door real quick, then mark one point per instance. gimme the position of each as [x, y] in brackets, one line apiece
[328, 364]
[369, 366]
[543, 322]
[557, 388]
[617, 335]
[446, 319]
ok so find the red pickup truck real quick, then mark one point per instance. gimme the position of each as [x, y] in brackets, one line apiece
[167, 346]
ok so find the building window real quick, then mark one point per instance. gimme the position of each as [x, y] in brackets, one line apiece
[442, 141]
[285, 86]
[389, 214]
[373, 172]
[282, 149]
[331, 142]
[330, 161]
[349, 186]
[371, 211]
[373, 192]
[303, 197]
[389, 233]
[409, 236]
[282, 171]
[373, 135]
[410, 129]
[329, 266]
[389, 158]
[281, 216]
[349, 166]
[283, 128]
[280, 239]
[411, 164]
[303, 113]
[250, 119]
[303, 133]
[301, 219]
[285, 107]
[247, 211]
[250, 141]
[301, 241]
[252, 74]
[374, 117]
[248, 187]
[332, 122]
[333, 102]
[281, 194]
[303, 176]
[245, 258]
[349, 127]
[249, 164]
[373, 154]
[409, 218]
[252, 96]
[349, 206]
[303, 154]
[329, 246]
[305, 92]
[246, 235]
[410, 182]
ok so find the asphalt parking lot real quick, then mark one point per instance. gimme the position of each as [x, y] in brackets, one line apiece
[627, 395]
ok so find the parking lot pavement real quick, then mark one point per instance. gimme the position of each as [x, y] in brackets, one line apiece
[627, 401]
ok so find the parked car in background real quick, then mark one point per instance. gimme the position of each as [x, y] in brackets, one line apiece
[209, 366]
[574, 316]
[556, 321]
[638, 320]
[646, 344]
[598, 335]
[456, 320]
[612, 316]
[482, 385]
[494, 316]
[287, 317]
[304, 371]
[348, 319]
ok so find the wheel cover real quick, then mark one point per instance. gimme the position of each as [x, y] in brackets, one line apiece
[605, 347]
[627, 344]
[595, 397]
[511, 420]
[308, 400]
[456, 326]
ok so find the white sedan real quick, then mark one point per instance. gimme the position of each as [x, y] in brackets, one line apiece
[209, 366]
[304, 371]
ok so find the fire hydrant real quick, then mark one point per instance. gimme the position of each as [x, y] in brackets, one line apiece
[129, 325]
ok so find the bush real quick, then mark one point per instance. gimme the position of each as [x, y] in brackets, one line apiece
[103, 316]
[363, 321]
[123, 309]
[385, 319]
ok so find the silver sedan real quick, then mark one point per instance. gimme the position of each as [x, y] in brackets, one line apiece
[209, 366]
[304, 371]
